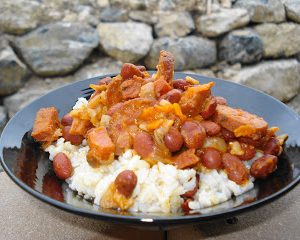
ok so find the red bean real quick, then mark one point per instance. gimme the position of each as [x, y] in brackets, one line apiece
[172, 96]
[211, 128]
[228, 135]
[264, 166]
[67, 120]
[211, 158]
[181, 84]
[129, 70]
[249, 151]
[193, 134]
[272, 147]
[209, 108]
[74, 139]
[235, 169]
[143, 144]
[221, 100]
[62, 166]
[126, 182]
[173, 139]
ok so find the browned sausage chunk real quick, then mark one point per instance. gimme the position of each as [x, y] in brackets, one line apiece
[74, 139]
[66, 120]
[173, 139]
[129, 70]
[194, 97]
[235, 169]
[193, 134]
[221, 100]
[131, 88]
[172, 96]
[143, 144]
[227, 135]
[186, 159]
[114, 108]
[161, 87]
[105, 81]
[62, 166]
[240, 122]
[211, 128]
[101, 147]
[165, 67]
[46, 126]
[126, 182]
[211, 158]
[264, 166]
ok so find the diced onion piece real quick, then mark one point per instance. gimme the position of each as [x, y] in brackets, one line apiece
[235, 148]
[215, 142]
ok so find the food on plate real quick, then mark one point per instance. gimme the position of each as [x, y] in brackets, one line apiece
[152, 143]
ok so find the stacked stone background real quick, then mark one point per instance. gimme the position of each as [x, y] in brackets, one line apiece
[45, 44]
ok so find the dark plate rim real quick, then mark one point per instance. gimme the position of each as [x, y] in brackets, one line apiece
[152, 220]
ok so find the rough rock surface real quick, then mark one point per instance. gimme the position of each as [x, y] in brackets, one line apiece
[19, 16]
[295, 104]
[243, 46]
[263, 10]
[113, 14]
[190, 52]
[58, 48]
[280, 79]
[292, 8]
[12, 71]
[280, 40]
[37, 87]
[3, 119]
[143, 16]
[174, 24]
[221, 22]
[128, 42]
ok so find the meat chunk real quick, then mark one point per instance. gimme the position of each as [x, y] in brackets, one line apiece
[165, 67]
[161, 87]
[194, 97]
[187, 159]
[240, 122]
[113, 92]
[101, 147]
[46, 126]
[131, 88]
[80, 126]
[129, 70]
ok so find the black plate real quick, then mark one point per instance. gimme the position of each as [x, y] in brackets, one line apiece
[30, 168]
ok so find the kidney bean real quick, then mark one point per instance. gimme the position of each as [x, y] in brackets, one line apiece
[211, 128]
[62, 166]
[209, 108]
[228, 135]
[74, 139]
[250, 141]
[105, 81]
[181, 84]
[249, 151]
[272, 147]
[172, 96]
[173, 139]
[221, 100]
[191, 193]
[211, 158]
[143, 144]
[67, 120]
[193, 134]
[129, 70]
[264, 166]
[125, 182]
[235, 169]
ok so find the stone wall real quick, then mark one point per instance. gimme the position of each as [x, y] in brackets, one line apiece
[47, 43]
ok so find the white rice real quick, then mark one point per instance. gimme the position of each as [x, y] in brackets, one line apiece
[158, 187]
